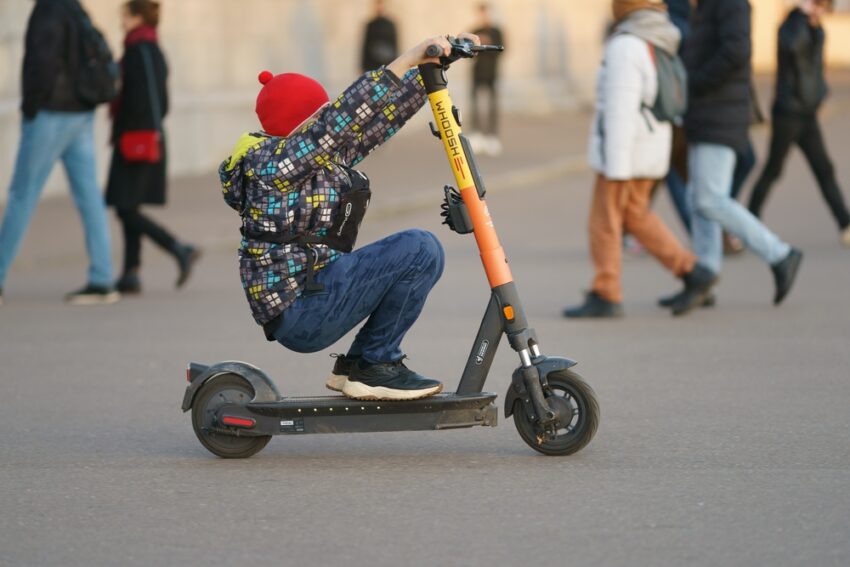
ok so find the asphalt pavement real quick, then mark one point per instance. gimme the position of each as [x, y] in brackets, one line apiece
[724, 437]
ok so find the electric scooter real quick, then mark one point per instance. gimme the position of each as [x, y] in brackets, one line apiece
[236, 408]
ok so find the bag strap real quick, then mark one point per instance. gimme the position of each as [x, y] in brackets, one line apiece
[151, 80]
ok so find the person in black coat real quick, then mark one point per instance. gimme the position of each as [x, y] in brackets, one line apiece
[800, 91]
[141, 106]
[380, 44]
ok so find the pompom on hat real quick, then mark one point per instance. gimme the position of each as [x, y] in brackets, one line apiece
[287, 100]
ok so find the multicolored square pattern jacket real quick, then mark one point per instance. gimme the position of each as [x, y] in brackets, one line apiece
[292, 186]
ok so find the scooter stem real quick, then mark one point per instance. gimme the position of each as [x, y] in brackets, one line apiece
[446, 119]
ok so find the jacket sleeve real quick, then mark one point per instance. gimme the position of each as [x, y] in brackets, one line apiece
[337, 130]
[405, 101]
[734, 49]
[45, 41]
[621, 108]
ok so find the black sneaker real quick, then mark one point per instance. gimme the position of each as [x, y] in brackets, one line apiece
[341, 370]
[388, 381]
[668, 300]
[595, 307]
[784, 274]
[93, 295]
[129, 284]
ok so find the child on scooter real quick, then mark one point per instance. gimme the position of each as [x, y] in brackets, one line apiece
[301, 204]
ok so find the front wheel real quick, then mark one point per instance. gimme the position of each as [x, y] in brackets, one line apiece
[217, 392]
[574, 402]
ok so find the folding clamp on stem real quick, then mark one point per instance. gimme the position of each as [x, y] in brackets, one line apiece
[454, 212]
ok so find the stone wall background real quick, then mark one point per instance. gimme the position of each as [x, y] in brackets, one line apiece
[216, 48]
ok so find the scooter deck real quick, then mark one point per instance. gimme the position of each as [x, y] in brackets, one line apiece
[338, 414]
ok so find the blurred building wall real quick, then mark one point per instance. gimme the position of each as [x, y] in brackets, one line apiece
[217, 47]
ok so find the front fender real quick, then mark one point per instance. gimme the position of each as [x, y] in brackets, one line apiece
[545, 365]
[264, 388]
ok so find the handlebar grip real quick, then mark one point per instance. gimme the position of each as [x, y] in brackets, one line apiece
[433, 51]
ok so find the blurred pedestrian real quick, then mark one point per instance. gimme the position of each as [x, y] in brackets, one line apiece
[485, 75]
[800, 90]
[137, 174]
[60, 92]
[718, 57]
[630, 151]
[380, 42]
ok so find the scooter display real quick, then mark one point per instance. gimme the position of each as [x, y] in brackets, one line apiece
[236, 408]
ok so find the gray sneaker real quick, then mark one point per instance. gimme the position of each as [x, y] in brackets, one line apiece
[388, 381]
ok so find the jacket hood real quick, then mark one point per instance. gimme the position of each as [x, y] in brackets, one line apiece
[654, 27]
[232, 173]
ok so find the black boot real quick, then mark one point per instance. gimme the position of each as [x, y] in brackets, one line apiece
[698, 284]
[594, 306]
[129, 283]
[784, 274]
[186, 256]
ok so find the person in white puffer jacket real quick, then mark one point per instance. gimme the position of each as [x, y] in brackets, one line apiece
[630, 151]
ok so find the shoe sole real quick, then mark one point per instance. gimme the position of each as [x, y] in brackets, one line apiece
[360, 391]
[335, 382]
[107, 299]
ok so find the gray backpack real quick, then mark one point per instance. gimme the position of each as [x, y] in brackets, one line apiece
[672, 99]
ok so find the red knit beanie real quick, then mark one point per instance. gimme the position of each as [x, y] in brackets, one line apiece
[287, 100]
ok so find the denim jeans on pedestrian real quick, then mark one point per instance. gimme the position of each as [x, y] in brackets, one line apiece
[387, 281]
[711, 168]
[45, 139]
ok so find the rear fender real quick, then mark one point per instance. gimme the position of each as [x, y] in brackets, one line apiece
[545, 365]
[264, 388]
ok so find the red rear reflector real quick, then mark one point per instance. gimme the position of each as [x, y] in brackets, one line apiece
[238, 421]
[188, 374]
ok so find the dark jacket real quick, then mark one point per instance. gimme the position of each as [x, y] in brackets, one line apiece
[485, 66]
[293, 186]
[717, 56]
[133, 184]
[800, 84]
[680, 15]
[380, 45]
[50, 58]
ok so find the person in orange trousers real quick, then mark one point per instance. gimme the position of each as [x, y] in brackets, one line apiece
[630, 151]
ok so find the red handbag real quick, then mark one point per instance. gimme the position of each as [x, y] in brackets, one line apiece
[140, 146]
[144, 146]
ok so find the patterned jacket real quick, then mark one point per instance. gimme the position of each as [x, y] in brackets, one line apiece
[292, 186]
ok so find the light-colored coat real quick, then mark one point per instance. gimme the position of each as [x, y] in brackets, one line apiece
[626, 141]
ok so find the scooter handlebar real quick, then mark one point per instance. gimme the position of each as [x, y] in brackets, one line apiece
[461, 48]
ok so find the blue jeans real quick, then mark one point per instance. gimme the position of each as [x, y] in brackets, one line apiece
[387, 281]
[49, 137]
[713, 210]
[744, 164]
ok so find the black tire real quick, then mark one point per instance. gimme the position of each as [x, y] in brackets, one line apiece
[224, 389]
[574, 397]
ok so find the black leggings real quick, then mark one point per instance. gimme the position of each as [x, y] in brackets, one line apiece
[491, 128]
[135, 226]
[804, 131]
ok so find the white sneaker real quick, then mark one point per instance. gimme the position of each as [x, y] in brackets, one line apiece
[845, 237]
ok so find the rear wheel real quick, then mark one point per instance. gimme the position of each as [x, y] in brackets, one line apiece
[217, 392]
[574, 402]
